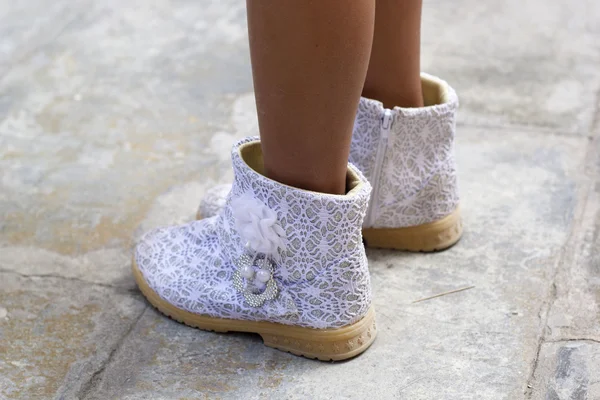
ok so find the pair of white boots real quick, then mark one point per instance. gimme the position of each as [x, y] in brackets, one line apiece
[290, 264]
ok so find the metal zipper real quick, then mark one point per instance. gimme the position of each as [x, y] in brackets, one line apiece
[386, 127]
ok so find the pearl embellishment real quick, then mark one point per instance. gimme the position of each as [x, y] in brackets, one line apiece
[243, 280]
[262, 276]
[263, 238]
[247, 271]
[260, 285]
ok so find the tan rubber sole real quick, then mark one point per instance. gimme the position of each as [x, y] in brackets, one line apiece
[323, 344]
[434, 236]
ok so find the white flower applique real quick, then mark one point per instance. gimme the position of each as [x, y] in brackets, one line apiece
[257, 225]
[263, 236]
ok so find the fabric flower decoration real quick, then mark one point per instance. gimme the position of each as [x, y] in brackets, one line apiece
[257, 225]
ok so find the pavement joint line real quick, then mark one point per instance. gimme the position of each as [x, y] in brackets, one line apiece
[543, 317]
[28, 53]
[569, 247]
[575, 339]
[91, 384]
[73, 279]
[595, 124]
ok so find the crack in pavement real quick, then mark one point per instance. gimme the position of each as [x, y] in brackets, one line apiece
[567, 251]
[582, 339]
[88, 387]
[120, 289]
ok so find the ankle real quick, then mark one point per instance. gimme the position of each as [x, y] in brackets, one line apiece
[412, 98]
[321, 183]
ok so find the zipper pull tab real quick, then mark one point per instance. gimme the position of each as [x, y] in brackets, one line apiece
[387, 119]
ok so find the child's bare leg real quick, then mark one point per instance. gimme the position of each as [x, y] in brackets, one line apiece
[394, 69]
[309, 62]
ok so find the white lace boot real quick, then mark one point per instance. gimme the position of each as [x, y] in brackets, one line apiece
[408, 156]
[286, 263]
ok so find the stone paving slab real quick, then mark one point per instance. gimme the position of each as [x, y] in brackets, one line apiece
[56, 334]
[101, 104]
[161, 359]
[568, 370]
[516, 62]
[107, 267]
[575, 311]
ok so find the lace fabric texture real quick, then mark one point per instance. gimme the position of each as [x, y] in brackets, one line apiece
[366, 136]
[417, 183]
[322, 274]
[214, 200]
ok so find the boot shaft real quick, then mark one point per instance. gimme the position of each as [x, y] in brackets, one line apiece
[321, 262]
[408, 156]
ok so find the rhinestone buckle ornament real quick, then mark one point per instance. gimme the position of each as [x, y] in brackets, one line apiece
[254, 279]
[257, 225]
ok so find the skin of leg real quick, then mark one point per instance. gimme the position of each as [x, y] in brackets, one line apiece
[309, 63]
[394, 69]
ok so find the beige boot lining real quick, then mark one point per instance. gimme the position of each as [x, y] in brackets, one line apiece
[434, 91]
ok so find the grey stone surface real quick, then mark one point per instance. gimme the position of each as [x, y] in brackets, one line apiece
[163, 360]
[57, 334]
[568, 370]
[575, 311]
[123, 91]
[517, 62]
[116, 116]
